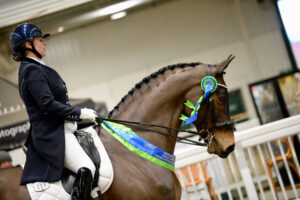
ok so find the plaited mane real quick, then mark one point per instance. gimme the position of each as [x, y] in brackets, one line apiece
[147, 79]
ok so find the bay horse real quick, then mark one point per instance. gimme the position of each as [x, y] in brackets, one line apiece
[157, 99]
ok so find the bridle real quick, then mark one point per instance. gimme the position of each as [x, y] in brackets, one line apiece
[207, 134]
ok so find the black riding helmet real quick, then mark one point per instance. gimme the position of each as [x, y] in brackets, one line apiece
[22, 33]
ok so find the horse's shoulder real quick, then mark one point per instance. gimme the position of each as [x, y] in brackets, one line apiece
[16, 169]
[10, 184]
[6, 173]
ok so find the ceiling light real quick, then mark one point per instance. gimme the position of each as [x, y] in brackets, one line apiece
[118, 7]
[118, 15]
[109, 10]
[60, 29]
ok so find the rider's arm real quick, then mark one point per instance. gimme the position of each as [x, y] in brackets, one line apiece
[40, 91]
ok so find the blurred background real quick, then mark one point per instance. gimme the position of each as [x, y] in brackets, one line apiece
[102, 48]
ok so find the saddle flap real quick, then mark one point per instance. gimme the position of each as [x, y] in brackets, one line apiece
[87, 143]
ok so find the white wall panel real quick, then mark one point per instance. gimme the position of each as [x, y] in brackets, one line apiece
[260, 18]
[270, 54]
[99, 92]
[111, 56]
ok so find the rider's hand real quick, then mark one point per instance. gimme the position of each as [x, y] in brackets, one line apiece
[89, 114]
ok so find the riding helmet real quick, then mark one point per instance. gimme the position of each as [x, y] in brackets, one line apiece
[22, 33]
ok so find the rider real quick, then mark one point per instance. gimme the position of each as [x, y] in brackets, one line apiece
[51, 144]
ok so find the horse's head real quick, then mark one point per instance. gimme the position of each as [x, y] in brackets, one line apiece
[213, 118]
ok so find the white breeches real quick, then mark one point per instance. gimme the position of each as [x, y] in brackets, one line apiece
[75, 156]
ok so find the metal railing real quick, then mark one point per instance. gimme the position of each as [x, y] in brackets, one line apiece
[264, 165]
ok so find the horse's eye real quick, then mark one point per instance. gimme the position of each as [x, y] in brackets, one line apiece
[222, 99]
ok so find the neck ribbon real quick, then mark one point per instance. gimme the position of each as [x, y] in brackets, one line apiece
[208, 84]
[139, 146]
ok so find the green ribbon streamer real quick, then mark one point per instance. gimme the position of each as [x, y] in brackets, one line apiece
[183, 117]
[132, 148]
[191, 106]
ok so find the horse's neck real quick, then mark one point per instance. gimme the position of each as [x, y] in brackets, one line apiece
[158, 102]
[154, 111]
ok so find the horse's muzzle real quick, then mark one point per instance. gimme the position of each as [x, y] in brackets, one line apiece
[215, 148]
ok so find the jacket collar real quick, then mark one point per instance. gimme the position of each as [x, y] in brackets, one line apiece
[40, 61]
[27, 59]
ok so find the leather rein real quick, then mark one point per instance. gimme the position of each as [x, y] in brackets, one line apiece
[206, 134]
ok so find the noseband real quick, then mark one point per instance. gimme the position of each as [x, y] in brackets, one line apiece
[207, 134]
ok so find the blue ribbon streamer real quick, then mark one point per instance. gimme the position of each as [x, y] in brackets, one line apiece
[191, 119]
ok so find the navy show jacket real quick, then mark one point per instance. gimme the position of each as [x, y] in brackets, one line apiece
[44, 94]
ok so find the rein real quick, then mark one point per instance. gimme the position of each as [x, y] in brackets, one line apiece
[136, 125]
[206, 134]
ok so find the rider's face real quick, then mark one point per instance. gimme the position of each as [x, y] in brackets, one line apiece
[40, 45]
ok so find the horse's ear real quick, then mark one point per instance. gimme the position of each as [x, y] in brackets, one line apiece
[224, 64]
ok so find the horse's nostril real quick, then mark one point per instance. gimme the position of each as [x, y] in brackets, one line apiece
[230, 148]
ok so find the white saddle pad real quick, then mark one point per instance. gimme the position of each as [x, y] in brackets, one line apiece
[55, 191]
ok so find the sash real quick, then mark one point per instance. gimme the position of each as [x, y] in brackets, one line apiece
[139, 146]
